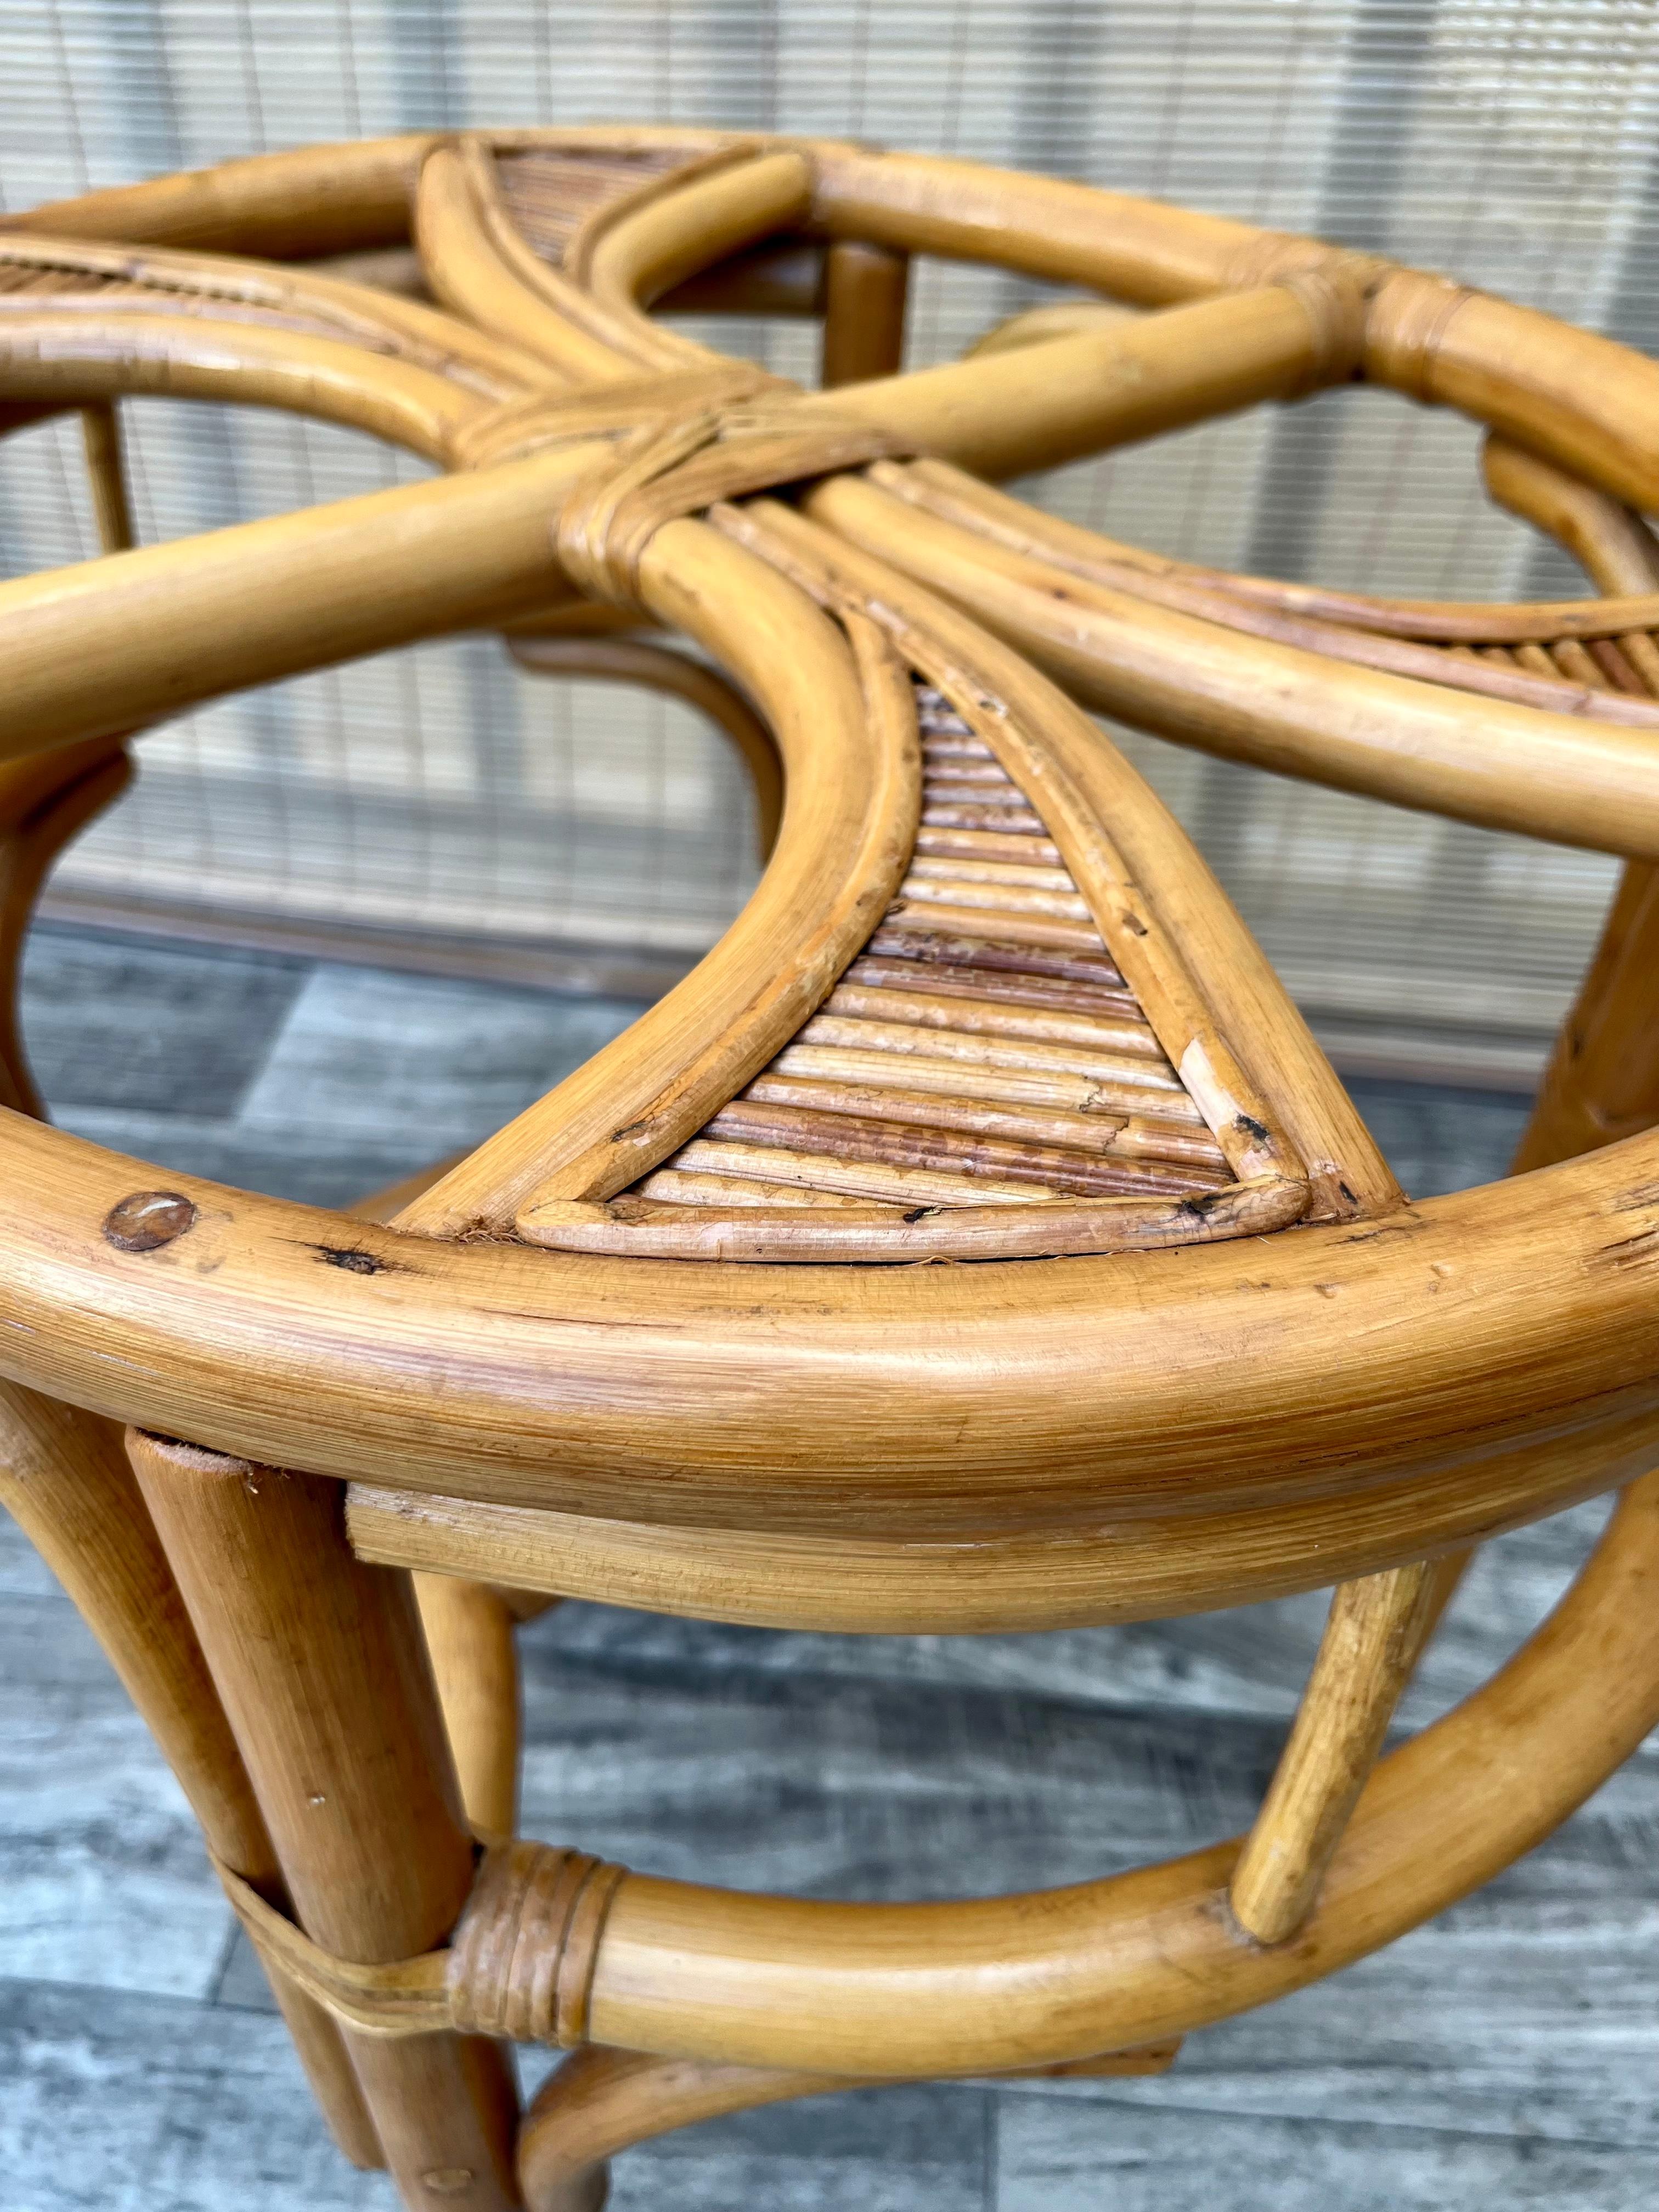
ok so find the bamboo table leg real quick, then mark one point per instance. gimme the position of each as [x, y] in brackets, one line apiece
[65, 1478]
[107, 476]
[324, 1673]
[1377, 1628]
[1602, 1081]
[865, 290]
[469, 1634]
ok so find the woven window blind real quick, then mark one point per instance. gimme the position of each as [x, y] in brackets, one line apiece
[1514, 143]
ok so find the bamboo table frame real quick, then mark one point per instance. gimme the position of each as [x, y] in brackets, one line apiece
[976, 1239]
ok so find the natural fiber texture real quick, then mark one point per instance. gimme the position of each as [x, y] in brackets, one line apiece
[520, 1963]
[685, 466]
[984, 1005]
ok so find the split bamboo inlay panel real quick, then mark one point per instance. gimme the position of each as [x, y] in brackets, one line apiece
[984, 1049]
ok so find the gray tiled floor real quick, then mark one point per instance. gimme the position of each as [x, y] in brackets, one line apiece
[1508, 2054]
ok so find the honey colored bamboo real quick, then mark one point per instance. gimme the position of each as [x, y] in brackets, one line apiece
[1003, 414]
[315, 200]
[865, 293]
[746, 1120]
[956, 1001]
[847, 827]
[65, 1478]
[980, 1077]
[320, 1665]
[852, 1178]
[88, 651]
[1503, 765]
[632, 660]
[44, 803]
[926, 1009]
[100, 431]
[938, 489]
[469, 1637]
[1134, 1136]
[999, 1984]
[51, 356]
[652, 244]
[1047, 747]
[1376, 1631]
[1602, 1081]
[569, 1383]
[599, 2102]
[716, 1974]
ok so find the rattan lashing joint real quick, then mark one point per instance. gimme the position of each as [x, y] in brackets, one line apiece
[520, 1964]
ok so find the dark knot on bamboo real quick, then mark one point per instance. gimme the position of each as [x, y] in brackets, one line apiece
[522, 1958]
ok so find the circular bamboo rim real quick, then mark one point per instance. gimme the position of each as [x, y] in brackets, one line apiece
[1493, 1352]
[963, 1446]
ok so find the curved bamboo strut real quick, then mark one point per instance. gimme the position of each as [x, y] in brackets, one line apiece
[900, 1233]
[1474, 1326]
[599, 2102]
[478, 264]
[849, 821]
[45, 802]
[586, 317]
[653, 667]
[228, 286]
[630, 255]
[1281, 706]
[348, 196]
[975, 1986]
[1111, 1567]
[949, 493]
[60, 357]
[1583, 401]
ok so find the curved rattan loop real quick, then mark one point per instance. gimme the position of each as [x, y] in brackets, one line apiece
[558, 1947]
[477, 548]
[987, 1008]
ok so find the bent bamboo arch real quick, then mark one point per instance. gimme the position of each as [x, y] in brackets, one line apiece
[1245, 1368]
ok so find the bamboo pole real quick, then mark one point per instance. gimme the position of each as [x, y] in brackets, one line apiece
[320, 1664]
[1375, 1634]
[1205, 685]
[1002, 414]
[65, 1478]
[100, 430]
[93, 649]
[469, 1637]
[865, 293]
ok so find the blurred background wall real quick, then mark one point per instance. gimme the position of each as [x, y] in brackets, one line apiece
[437, 805]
